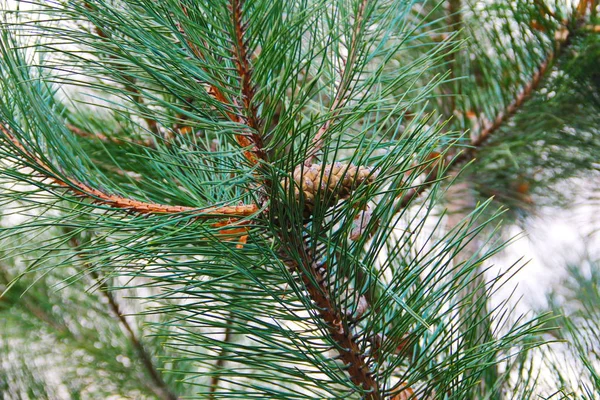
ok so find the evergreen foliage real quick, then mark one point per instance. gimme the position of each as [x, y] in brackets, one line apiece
[246, 199]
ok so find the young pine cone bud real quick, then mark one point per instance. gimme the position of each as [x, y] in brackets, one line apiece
[331, 183]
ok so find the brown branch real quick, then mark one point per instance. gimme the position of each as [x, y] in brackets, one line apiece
[117, 201]
[107, 139]
[39, 313]
[212, 90]
[313, 277]
[131, 83]
[216, 377]
[247, 140]
[490, 127]
[455, 25]
[453, 159]
[583, 7]
[161, 389]
[334, 110]
[244, 69]
[158, 386]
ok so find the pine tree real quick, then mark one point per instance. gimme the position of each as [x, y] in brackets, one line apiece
[281, 199]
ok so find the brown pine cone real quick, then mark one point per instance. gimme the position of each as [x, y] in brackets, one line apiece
[336, 182]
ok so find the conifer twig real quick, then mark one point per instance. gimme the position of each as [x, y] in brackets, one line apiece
[244, 70]
[351, 354]
[212, 90]
[130, 85]
[158, 386]
[491, 126]
[107, 139]
[242, 63]
[584, 5]
[247, 139]
[216, 377]
[117, 201]
[33, 308]
[319, 139]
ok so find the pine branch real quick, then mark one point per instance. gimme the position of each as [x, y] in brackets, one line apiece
[159, 387]
[107, 139]
[33, 308]
[361, 364]
[216, 377]
[251, 140]
[113, 140]
[312, 274]
[244, 70]
[408, 196]
[584, 5]
[455, 159]
[130, 86]
[248, 90]
[490, 127]
[117, 201]
[212, 90]
[346, 75]
[459, 202]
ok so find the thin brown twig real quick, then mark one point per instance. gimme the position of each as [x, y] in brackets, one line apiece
[489, 127]
[33, 308]
[212, 90]
[216, 377]
[246, 140]
[107, 139]
[130, 82]
[242, 62]
[158, 386]
[454, 160]
[244, 69]
[351, 354]
[117, 201]
[583, 6]
[334, 110]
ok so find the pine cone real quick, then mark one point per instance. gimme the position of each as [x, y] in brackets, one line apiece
[336, 182]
